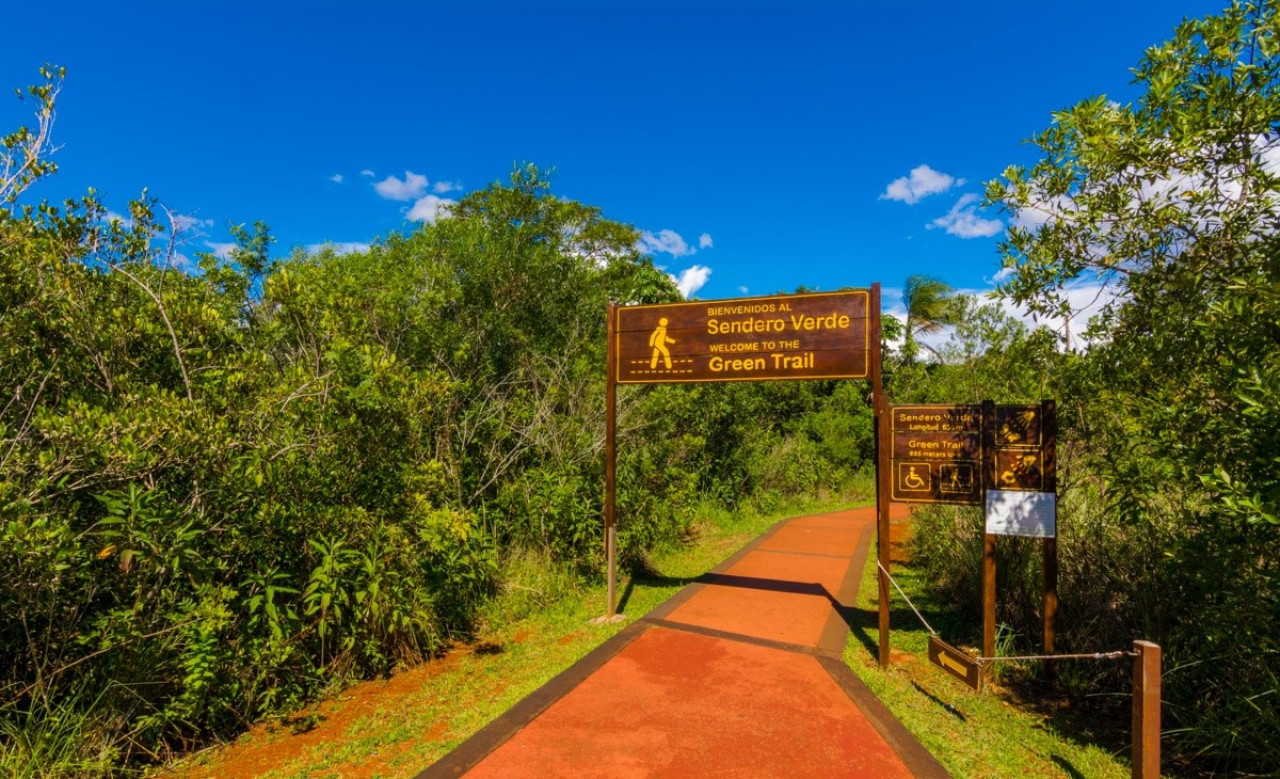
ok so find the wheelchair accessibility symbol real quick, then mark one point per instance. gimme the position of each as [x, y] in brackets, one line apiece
[914, 477]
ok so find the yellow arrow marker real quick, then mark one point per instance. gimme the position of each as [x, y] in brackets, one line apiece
[947, 661]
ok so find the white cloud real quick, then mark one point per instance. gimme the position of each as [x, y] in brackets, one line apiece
[922, 182]
[704, 241]
[691, 279]
[430, 208]
[743, 289]
[184, 222]
[665, 241]
[336, 178]
[338, 247]
[220, 250]
[1085, 298]
[414, 185]
[1043, 211]
[963, 220]
[441, 187]
[1003, 274]
[367, 172]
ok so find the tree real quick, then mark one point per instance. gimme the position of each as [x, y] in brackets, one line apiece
[929, 309]
[24, 153]
[1172, 206]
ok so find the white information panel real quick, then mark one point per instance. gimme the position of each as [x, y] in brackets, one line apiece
[1012, 513]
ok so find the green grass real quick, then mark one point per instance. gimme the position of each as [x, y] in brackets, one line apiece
[539, 626]
[972, 734]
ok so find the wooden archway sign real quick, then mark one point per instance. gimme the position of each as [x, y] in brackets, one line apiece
[822, 335]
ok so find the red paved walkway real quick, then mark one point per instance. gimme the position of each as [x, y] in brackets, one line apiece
[737, 675]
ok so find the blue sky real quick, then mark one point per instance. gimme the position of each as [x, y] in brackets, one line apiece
[761, 146]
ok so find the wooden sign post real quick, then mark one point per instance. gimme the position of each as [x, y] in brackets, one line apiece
[934, 455]
[1000, 457]
[1020, 483]
[825, 335]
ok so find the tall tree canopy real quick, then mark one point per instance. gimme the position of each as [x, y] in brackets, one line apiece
[930, 307]
[1174, 203]
[1172, 206]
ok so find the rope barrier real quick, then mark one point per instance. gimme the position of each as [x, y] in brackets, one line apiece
[1093, 656]
[1085, 656]
[919, 616]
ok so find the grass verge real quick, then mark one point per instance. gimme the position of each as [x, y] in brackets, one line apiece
[973, 735]
[541, 624]
[538, 626]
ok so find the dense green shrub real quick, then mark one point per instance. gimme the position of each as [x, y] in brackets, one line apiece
[228, 486]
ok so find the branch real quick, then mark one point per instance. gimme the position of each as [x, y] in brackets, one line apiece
[164, 314]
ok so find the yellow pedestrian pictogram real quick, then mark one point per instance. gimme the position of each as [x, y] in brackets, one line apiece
[956, 478]
[659, 340]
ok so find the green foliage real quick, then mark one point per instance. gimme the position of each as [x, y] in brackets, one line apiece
[1172, 204]
[930, 308]
[225, 488]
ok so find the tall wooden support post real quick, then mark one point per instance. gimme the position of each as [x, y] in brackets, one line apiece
[884, 447]
[988, 540]
[1146, 711]
[1049, 421]
[610, 463]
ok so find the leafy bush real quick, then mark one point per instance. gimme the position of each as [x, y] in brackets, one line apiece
[226, 488]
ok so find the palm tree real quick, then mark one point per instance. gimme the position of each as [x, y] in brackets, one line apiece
[930, 307]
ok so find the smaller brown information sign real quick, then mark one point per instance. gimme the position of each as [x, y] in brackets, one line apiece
[1019, 470]
[937, 454]
[1018, 427]
[809, 336]
[1023, 454]
[955, 662]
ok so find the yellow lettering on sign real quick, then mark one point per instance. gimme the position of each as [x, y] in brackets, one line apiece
[744, 346]
[745, 326]
[794, 362]
[830, 322]
[720, 364]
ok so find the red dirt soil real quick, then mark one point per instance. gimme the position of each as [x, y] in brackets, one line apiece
[679, 702]
[672, 702]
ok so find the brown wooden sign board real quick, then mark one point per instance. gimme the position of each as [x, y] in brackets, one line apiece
[808, 336]
[1023, 454]
[955, 662]
[826, 335]
[937, 454]
[1019, 427]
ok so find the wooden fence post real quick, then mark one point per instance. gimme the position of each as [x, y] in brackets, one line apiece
[988, 540]
[610, 463]
[1146, 710]
[884, 443]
